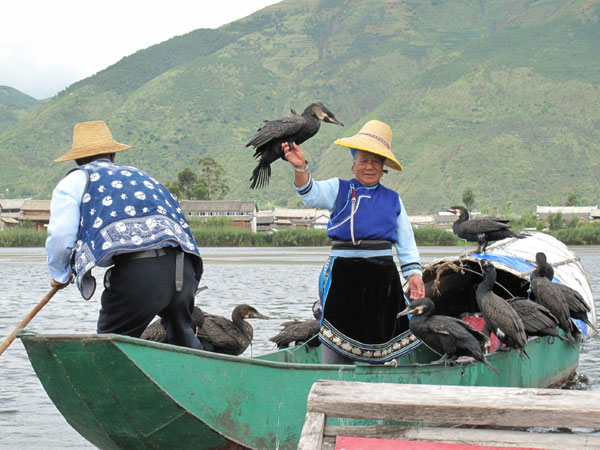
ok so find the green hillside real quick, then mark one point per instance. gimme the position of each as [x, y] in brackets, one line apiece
[14, 105]
[499, 96]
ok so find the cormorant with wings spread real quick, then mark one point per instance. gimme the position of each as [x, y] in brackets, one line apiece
[297, 128]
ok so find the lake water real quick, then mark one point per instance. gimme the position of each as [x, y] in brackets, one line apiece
[280, 282]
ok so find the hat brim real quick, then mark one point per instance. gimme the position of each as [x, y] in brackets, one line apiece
[110, 146]
[366, 144]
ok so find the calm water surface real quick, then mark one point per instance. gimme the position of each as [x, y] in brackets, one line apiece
[280, 282]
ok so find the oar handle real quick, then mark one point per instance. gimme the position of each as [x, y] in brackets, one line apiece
[27, 319]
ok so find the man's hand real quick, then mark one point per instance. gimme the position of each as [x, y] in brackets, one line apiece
[416, 287]
[56, 284]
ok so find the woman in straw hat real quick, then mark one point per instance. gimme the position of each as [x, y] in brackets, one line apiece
[105, 214]
[360, 288]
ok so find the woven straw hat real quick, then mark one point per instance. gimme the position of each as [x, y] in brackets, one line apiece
[374, 137]
[92, 138]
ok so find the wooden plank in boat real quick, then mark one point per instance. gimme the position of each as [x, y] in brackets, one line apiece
[360, 443]
[436, 405]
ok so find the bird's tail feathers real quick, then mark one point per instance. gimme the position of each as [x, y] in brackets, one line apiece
[260, 176]
[489, 366]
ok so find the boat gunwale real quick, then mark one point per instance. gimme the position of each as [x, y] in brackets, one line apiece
[357, 367]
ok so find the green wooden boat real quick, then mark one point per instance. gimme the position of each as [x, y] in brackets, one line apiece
[121, 392]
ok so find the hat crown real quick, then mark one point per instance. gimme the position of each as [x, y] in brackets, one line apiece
[378, 130]
[88, 133]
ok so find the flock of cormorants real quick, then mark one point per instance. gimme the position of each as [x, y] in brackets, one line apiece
[512, 320]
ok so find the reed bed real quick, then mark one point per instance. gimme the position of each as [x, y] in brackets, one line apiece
[22, 237]
[223, 234]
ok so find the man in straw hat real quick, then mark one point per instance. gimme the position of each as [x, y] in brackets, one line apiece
[105, 214]
[360, 288]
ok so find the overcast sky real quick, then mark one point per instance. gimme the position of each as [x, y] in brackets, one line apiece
[46, 45]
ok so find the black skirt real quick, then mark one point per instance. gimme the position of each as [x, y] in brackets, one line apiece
[361, 298]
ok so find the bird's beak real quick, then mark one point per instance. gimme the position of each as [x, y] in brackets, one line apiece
[333, 120]
[200, 289]
[258, 315]
[453, 211]
[408, 310]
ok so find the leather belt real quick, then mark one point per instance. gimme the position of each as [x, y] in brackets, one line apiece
[140, 255]
[363, 245]
[155, 253]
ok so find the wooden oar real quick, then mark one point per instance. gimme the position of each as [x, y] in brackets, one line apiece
[27, 319]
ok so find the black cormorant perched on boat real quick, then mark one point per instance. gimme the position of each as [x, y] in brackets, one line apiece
[481, 229]
[300, 331]
[547, 293]
[538, 321]
[448, 336]
[221, 335]
[578, 308]
[297, 128]
[156, 331]
[500, 317]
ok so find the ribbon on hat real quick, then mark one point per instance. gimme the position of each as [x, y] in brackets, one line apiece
[379, 139]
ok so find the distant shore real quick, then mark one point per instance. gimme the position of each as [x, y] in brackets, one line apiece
[227, 236]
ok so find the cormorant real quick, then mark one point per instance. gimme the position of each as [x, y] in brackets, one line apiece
[221, 335]
[156, 331]
[298, 332]
[538, 321]
[547, 293]
[481, 229]
[448, 336]
[297, 128]
[500, 317]
[578, 308]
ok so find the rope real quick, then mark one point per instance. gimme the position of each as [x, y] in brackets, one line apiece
[462, 267]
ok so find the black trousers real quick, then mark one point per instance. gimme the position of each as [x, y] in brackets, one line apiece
[137, 290]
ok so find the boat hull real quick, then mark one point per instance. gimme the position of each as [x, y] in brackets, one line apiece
[121, 392]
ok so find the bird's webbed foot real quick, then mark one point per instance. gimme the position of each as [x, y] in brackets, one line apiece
[446, 360]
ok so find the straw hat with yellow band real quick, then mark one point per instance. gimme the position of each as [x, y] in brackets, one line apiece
[90, 139]
[374, 137]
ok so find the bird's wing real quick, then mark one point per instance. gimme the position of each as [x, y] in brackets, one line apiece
[574, 299]
[219, 331]
[276, 129]
[296, 331]
[482, 338]
[542, 319]
[484, 225]
[444, 325]
[155, 332]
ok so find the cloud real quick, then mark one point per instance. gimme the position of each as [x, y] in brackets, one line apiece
[46, 46]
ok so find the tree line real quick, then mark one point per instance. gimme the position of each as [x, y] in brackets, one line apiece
[208, 184]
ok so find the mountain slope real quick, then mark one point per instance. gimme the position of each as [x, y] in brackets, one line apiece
[14, 105]
[500, 96]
